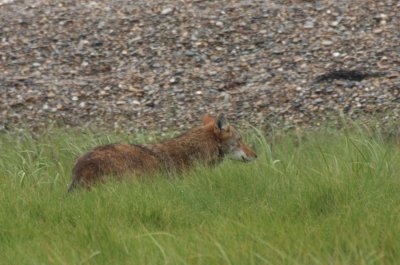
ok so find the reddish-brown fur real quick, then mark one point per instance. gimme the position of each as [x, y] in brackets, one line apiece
[207, 144]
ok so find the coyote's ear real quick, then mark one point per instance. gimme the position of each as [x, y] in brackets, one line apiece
[208, 119]
[221, 123]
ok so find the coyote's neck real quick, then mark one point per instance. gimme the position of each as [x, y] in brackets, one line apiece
[199, 145]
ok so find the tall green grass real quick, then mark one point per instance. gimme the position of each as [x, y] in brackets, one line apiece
[316, 197]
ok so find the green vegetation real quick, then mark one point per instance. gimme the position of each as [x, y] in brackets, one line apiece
[318, 197]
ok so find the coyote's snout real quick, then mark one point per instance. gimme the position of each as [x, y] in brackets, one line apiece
[208, 144]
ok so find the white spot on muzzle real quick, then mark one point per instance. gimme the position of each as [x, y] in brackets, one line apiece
[240, 155]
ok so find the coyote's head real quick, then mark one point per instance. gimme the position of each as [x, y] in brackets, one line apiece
[231, 143]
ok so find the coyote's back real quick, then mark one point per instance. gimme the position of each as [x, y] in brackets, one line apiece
[207, 144]
[113, 159]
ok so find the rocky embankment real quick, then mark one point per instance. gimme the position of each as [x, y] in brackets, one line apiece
[136, 65]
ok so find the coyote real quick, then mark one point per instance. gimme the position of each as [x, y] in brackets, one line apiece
[207, 144]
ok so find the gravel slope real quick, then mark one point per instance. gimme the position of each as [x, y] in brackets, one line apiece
[135, 65]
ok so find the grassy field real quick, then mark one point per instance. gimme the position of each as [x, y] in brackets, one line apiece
[319, 197]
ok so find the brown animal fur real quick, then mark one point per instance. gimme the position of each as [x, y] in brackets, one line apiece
[207, 144]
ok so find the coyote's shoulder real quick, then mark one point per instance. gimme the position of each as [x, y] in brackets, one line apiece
[207, 144]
